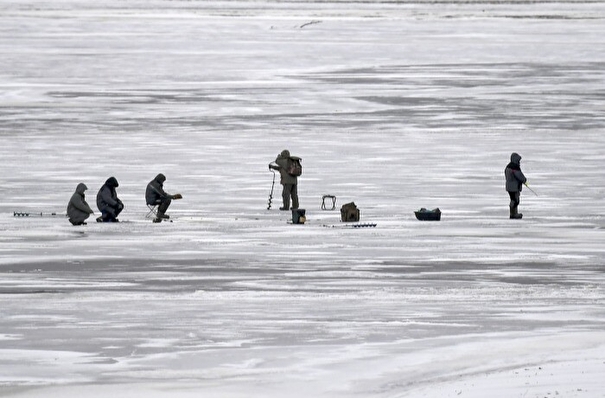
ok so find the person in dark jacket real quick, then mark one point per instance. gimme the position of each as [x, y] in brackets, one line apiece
[78, 209]
[155, 195]
[108, 202]
[288, 181]
[514, 184]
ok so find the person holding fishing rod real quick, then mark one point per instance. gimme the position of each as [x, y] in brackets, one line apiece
[515, 179]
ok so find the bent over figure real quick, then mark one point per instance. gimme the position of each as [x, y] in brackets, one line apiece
[155, 195]
[78, 209]
[108, 202]
[514, 184]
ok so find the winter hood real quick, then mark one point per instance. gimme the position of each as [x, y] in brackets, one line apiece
[81, 188]
[112, 182]
[515, 158]
[160, 178]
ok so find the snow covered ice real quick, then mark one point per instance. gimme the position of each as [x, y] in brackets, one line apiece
[392, 105]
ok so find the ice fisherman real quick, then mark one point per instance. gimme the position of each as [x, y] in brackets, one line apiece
[155, 195]
[78, 209]
[514, 184]
[108, 202]
[288, 178]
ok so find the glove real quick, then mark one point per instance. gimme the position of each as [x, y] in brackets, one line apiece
[177, 196]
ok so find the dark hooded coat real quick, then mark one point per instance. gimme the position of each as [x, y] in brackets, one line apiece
[107, 198]
[155, 190]
[78, 209]
[282, 163]
[513, 174]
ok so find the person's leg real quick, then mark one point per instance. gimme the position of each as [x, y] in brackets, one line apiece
[514, 204]
[109, 214]
[163, 207]
[79, 219]
[294, 194]
[285, 196]
[518, 215]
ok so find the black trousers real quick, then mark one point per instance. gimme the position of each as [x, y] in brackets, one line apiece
[515, 199]
[111, 213]
[163, 205]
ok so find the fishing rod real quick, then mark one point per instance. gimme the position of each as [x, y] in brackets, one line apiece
[534, 192]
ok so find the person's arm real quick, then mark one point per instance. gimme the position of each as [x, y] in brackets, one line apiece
[106, 196]
[160, 191]
[520, 176]
[80, 204]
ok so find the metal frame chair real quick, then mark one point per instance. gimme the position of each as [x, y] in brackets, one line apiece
[324, 204]
[153, 210]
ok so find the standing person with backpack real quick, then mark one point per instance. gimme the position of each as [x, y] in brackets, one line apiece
[514, 184]
[289, 168]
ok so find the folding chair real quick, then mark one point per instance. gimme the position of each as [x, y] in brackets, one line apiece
[153, 211]
[324, 204]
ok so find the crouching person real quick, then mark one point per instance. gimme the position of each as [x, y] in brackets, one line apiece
[156, 196]
[78, 209]
[108, 203]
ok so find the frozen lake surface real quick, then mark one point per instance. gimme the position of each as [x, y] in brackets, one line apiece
[392, 105]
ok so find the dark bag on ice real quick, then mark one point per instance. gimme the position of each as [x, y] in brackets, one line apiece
[428, 215]
[294, 166]
[349, 212]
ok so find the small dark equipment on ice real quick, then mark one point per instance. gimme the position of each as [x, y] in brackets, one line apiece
[428, 215]
[349, 212]
[355, 226]
[298, 216]
[331, 198]
[36, 214]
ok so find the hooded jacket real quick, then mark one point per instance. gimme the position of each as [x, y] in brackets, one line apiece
[282, 161]
[513, 174]
[78, 209]
[155, 190]
[107, 196]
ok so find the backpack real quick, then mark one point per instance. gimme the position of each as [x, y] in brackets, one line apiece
[294, 167]
[349, 212]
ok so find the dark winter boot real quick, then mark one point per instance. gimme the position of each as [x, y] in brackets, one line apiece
[163, 216]
[514, 214]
